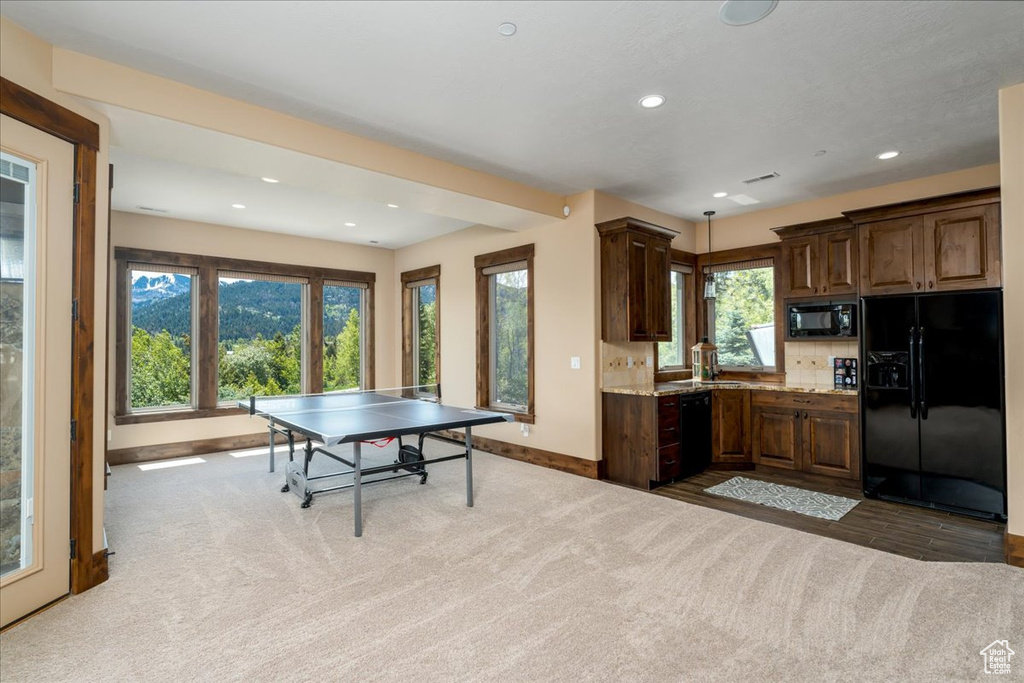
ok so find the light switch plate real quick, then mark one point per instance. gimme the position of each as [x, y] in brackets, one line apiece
[574, 362]
[650, 361]
[629, 361]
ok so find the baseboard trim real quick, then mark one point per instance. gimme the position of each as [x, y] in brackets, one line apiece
[535, 456]
[183, 449]
[1013, 549]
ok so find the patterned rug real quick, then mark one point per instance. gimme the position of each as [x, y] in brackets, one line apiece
[811, 503]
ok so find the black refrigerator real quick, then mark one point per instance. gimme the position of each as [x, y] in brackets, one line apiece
[932, 406]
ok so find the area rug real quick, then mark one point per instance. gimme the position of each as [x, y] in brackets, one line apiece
[810, 503]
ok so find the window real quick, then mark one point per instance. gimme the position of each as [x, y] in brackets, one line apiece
[421, 348]
[505, 331]
[343, 335]
[259, 335]
[160, 317]
[674, 355]
[742, 316]
[196, 333]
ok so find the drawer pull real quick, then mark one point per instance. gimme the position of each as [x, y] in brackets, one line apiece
[669, 462]
[670, 405]
[801, 400]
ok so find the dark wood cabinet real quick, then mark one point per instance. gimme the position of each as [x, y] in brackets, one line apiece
[730, 426]
[635, 281]
[932, 245]
[641, 439]
[808, 432]
[819, 259]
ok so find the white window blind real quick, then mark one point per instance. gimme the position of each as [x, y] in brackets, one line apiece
[343, 283]
[682, 268]
[158, 268]
[261, 277]
[505, 268]
[421, 283]
[740, 265]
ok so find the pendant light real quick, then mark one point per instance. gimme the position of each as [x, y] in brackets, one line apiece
[704, 354]
[709, 277]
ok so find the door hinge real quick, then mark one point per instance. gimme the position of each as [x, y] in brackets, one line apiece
[74, 548]
[78, 192]
[74, 429]
[74, 310]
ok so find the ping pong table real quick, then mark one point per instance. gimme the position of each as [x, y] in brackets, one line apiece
[360, 417]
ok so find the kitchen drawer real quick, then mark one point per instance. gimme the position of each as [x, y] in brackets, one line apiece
[668, 409]
[670, 462]
[805, 401]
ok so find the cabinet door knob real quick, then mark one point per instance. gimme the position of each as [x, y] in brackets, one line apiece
[919, 285]
[824, 289]
[815, 290]
[796, 414]
[805, 416]
[930, 284]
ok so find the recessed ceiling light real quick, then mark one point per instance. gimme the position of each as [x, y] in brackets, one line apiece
[888, 155]
[238, 206]
[507, 29]
[350, 225]
[270, 180]
[743, 12]
[651, 101]
[392, 206]
[719, 195]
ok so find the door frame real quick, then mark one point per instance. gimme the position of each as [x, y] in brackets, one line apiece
[88, 569]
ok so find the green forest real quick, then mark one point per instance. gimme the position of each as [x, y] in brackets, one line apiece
[259, 347]
[746, 299]
[511, 360]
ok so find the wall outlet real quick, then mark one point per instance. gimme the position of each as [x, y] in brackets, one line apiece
[574, 362]
[650, 361]
[525, 428]
[110, 435]
[629, 361]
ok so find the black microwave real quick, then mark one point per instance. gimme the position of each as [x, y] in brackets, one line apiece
[822, 320]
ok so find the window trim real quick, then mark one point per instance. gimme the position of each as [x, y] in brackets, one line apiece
[690, 312]
[409, 303]
[523, 252]
[205, 330]
[760, 251]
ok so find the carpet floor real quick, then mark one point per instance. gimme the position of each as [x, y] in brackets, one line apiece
[551, 577]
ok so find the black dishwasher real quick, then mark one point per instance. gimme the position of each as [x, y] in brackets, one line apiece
[695, 432]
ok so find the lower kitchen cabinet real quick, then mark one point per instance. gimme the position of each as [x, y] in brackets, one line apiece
[812, 433]
[730, 426]
[652, 439]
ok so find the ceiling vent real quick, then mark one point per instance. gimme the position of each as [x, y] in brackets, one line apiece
[151, 209]
[760, 178]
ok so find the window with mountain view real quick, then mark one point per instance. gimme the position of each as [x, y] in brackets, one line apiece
[343, 337]
[505, 310]
[259, 341]
[420, 351]
[160, 320]
[743, 315]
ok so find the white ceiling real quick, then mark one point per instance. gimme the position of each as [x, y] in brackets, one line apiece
[555, 105]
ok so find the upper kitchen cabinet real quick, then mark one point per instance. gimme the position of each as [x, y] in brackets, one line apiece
[635, 281]
[819, 259]
[931, 245]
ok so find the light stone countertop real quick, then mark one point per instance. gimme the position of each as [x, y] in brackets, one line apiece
[690, 387]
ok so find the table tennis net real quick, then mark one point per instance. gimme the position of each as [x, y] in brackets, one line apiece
[340, 400]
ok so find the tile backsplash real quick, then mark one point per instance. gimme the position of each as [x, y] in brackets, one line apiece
[809, 362]
[615, 370]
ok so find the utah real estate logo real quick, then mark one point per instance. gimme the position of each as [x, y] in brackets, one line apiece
[997, 657]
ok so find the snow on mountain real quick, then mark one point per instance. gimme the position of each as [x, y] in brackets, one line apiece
[150, 287]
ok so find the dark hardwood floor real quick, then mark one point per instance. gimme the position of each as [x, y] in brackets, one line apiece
[918, 533]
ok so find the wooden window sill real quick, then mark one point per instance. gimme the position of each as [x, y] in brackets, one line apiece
[526, 418]
[172, 415]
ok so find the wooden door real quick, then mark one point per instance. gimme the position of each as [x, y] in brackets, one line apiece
[800, 259]
[831, 443]
[776, 436]
[961, 248]
[730, 425]
[839, 265]
[891, 259]
[659, 282]
[639, 255]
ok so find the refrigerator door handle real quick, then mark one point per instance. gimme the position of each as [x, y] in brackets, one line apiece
[920, 366]
[911, 372]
